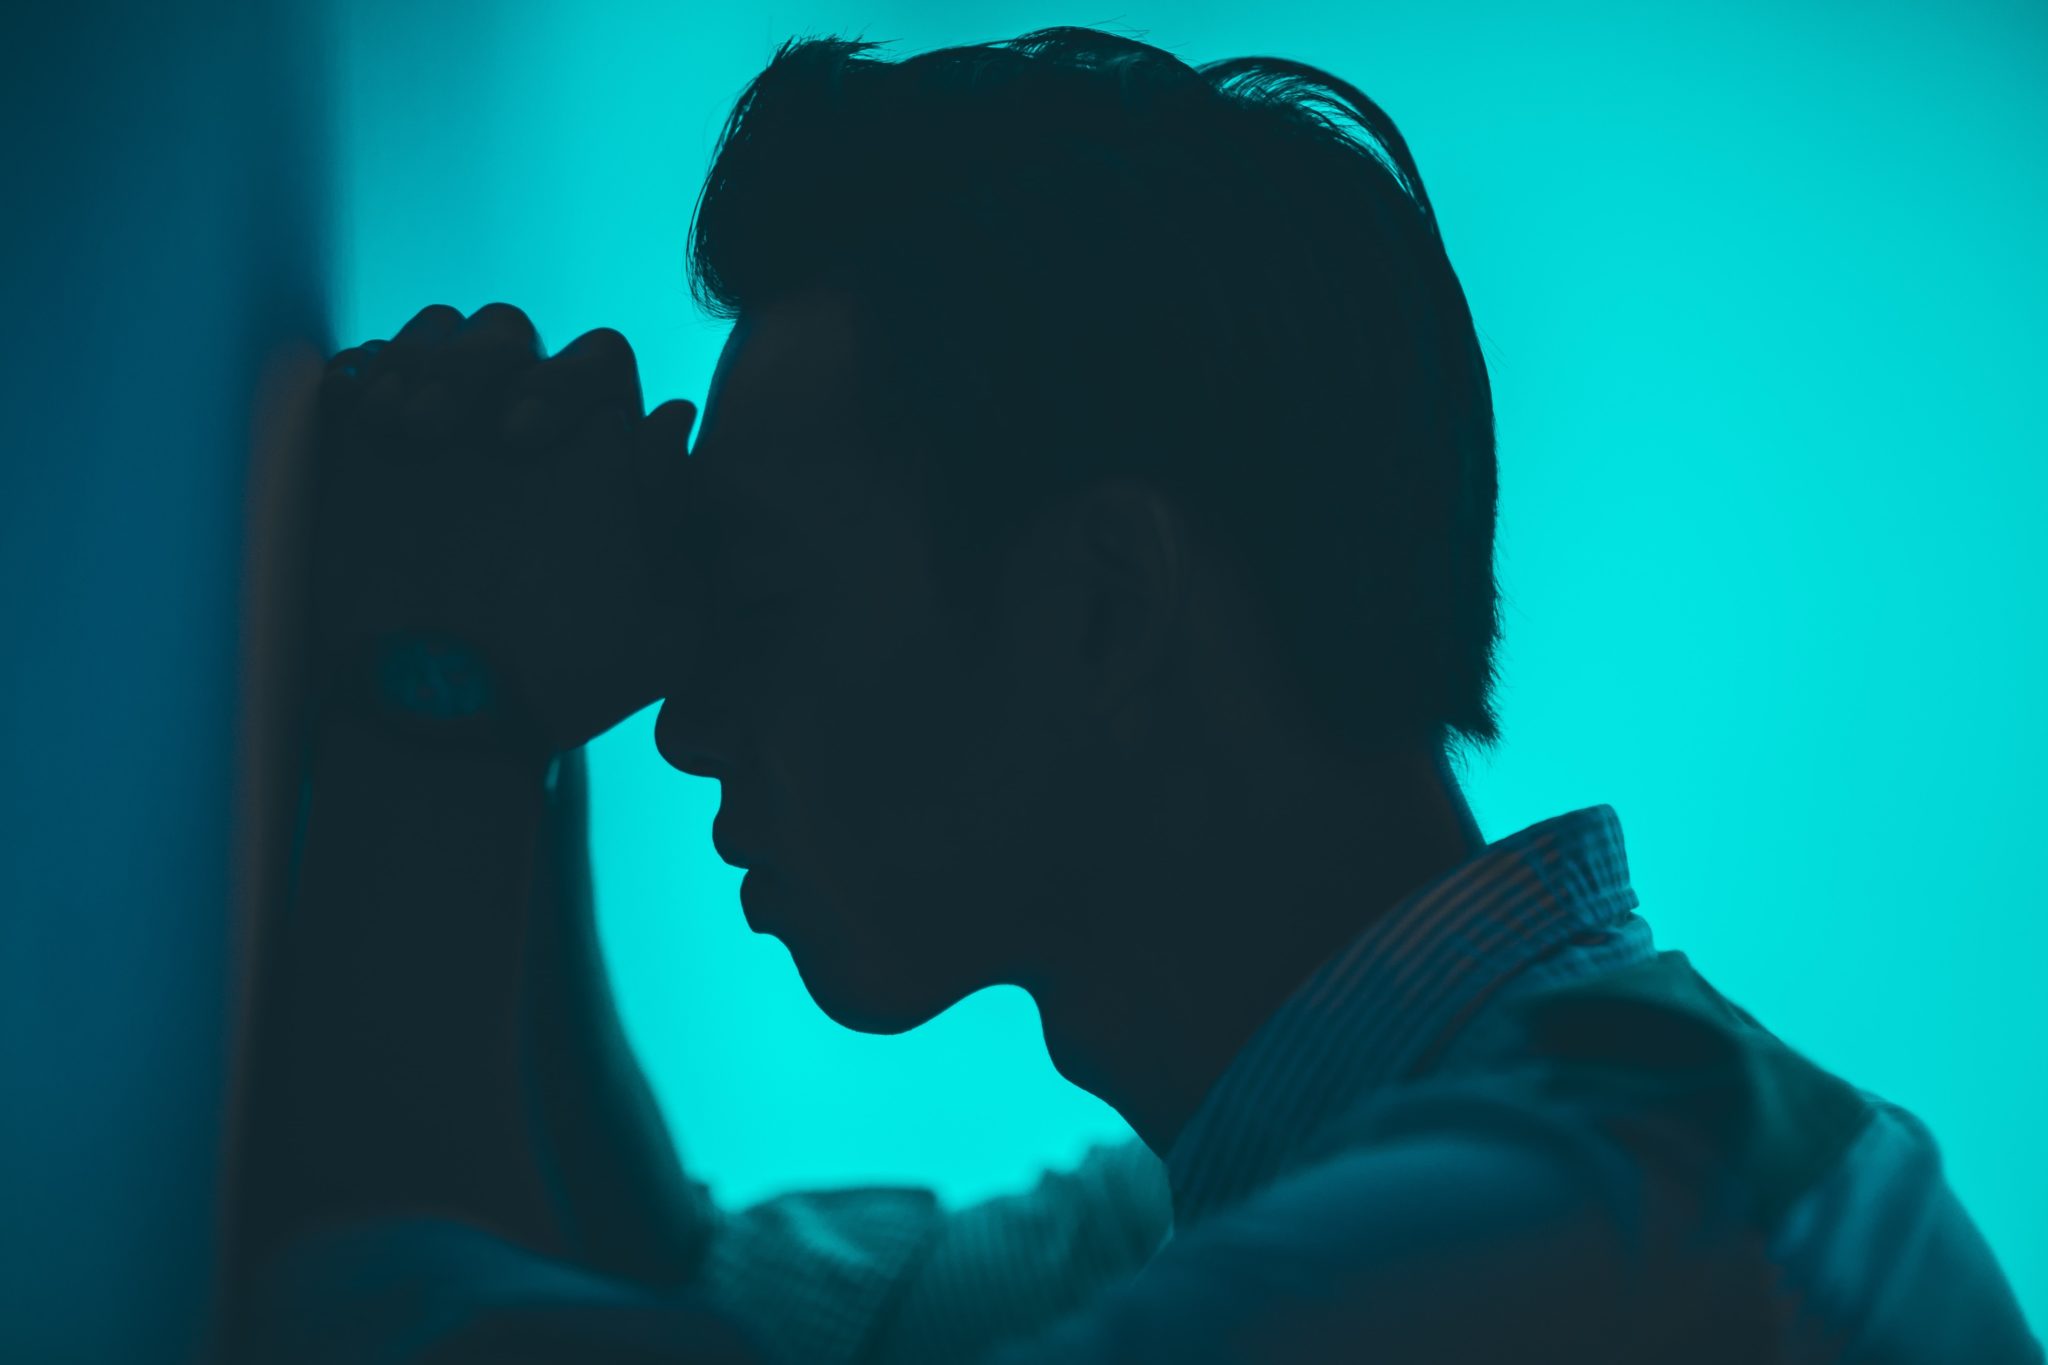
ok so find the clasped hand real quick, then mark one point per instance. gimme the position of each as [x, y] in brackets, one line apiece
[469, 488]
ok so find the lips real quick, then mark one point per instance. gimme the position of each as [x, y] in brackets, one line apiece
[751, 888]
[733, 852]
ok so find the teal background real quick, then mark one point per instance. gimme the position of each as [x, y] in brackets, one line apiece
[1761, 289]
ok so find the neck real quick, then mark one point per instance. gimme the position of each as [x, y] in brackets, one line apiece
[1254, 900]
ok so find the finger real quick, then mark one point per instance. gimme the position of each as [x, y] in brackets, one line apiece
[434, 417]
[488, 349]
[660, 442]
[354, 358]
[386, 378]
[380, 411]
[342, 383]
[532, 424]
[594, 373]
[598, 449]
[661, 474]
[427, 329]
[465, 379]
[435, 322]
[597, 368]
[605, 436]
[401, 405]
[441, 369]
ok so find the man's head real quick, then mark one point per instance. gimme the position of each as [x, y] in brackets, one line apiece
[1100, 439]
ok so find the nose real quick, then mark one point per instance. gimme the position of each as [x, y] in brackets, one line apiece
[690, 740]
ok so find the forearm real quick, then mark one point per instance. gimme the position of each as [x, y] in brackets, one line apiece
[627, 1206]
[388, 1066]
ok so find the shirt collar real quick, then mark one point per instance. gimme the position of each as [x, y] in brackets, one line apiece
[1383, 1008]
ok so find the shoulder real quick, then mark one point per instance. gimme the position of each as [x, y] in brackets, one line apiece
[1383, 1250]
[1454, 1196]
[1653, 1055]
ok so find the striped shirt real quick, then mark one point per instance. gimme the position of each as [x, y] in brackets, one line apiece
[1354, 1183]
[1349, 1187]
[1548, 904]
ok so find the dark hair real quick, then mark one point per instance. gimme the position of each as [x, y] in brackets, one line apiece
[1078, 258]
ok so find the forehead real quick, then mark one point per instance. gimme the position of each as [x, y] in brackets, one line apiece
[780, 422]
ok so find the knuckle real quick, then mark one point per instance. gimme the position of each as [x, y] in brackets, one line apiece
[435, 313]
[434, 321]
[497, 338]
[501, 317]
[602, 348]
[354, 359]
[596, 367]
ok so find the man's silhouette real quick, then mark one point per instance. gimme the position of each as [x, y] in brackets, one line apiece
[1082, 571]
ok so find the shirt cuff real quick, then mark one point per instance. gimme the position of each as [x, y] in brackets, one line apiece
[812, 1274]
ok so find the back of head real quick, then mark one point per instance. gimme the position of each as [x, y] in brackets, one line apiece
[1079, 257]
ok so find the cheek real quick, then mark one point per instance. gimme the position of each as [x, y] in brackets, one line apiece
[869, 751]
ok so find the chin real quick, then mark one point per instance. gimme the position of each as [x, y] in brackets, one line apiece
[858, 999]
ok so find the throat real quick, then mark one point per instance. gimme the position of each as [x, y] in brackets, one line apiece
[1180, 971]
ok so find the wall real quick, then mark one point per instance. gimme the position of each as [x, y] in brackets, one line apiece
[163, 284]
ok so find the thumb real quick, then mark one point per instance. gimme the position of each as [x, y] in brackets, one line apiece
[660, 445]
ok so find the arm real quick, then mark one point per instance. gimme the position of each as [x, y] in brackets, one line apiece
[627, 1206]
[434, 1049]
[486, 1078]
[387, 1075]
[405, 1127]
[1006, 1268]
[444, 915]
[1442, 1248]
[1464, 1219]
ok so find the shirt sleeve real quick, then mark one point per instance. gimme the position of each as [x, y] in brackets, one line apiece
[875, 1277]
[854, 1276]
[1487, 1234]
[805, 1276]
[1007, 1268]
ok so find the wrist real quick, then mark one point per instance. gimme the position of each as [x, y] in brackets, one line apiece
[431, 694]
[361, 741]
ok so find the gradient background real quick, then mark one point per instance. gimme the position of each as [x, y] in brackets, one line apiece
[1761, 289]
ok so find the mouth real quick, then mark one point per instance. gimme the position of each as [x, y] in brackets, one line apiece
[731, 854]
[752, 889]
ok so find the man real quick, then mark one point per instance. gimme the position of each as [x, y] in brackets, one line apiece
[1080, 574]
